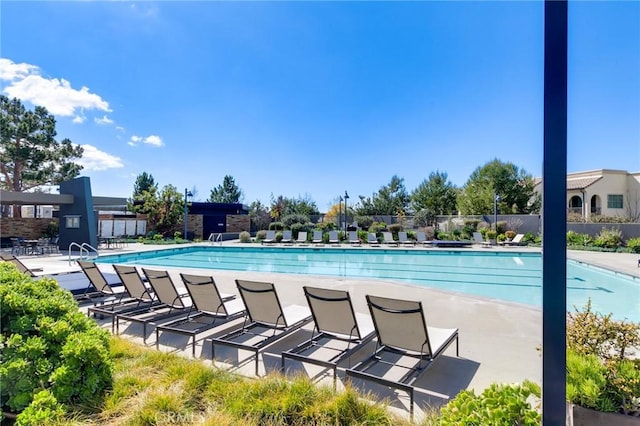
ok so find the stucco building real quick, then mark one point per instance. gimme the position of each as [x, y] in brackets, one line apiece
[602, 192]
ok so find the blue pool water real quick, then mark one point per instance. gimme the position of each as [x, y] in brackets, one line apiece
[511, 276]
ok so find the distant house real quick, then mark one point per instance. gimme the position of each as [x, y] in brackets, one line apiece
[602, 192]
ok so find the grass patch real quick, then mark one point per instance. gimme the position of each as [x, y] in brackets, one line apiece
[155, 388]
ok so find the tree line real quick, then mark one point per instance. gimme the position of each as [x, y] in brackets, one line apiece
[30, 157]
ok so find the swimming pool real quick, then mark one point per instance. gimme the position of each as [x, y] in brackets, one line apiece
[511, 276]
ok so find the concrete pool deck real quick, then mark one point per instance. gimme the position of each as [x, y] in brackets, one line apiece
[499, 341]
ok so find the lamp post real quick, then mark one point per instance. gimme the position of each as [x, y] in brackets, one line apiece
[496, 198]
[340, 211]
[187, 194]
[346, 215]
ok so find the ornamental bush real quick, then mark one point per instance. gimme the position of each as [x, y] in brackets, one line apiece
[245, 237]
[47, 344]
[634, 244]
[499, 404]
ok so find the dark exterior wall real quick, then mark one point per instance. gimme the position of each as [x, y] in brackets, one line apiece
[238, 223]
[82, 207]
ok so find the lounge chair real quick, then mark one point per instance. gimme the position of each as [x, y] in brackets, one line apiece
[302, 238]
[317, 238]
[401, 329]
[338, 331]
[19, 265]
[287, 238]
[516, 241]
[99, 283]
[387, 238]
[372, 240]
[477, 239]
[353, 238]
[172, 303]
[265, 320]
[270, 238]
[333, 238]
[404, 240]
[140, 297]
[421, 238]
[209, 309]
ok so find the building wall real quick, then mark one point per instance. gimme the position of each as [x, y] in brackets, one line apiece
[195, 224]
[28, 227]
[238, 223]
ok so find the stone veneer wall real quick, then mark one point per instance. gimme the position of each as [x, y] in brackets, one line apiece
[28, 227]
[238, 223]
[195, 223]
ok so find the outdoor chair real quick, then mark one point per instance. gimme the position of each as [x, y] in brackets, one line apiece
[338, 332]
[209, 309]
[477, 239]
[387, 238]
[402, 330]
[302, 238]
[171, 303]
[516, 241]
[270, 238]
[287, 238]
[317, 238]
[100, 285]
[404, 240]
[353, 238]
[421, 238]
[372, 240]
[140, 297]
[333, 238]
[265, 320]
[19, 265]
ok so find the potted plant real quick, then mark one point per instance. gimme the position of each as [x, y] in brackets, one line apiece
[491, 236]
[510, 235]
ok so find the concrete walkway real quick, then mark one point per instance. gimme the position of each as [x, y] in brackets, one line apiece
[499, 341]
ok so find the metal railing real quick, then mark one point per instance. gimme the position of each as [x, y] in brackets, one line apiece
[83, 248]
[215, 237]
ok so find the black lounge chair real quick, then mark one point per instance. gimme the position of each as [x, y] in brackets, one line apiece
[402, 329]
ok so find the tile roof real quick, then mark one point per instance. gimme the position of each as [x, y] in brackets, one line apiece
[581, 183]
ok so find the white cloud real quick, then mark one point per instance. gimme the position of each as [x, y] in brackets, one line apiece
[79, 119]
[10, 71]
[120, 128]
[152, 140]
[103, 121]
[57, 95]
[96, 160]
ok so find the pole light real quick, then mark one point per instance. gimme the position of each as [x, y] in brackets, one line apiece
[496, 199]
[340, 211]
[346, 215]
[187, 194]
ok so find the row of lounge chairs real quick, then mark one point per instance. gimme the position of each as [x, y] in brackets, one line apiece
[398, 326]
[353, 239]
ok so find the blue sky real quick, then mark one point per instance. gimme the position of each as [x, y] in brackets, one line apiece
[309, 99]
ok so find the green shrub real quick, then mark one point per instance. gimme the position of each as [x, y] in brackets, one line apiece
[483, 227]
[261, 235]
[44, 409]
[395, 228]
[177, 235]
[377, 227]
[158, 237]
[634, 244]
[501, 226]
[364, 222]
[497, 405]
[608, 238]
[491, 234]
[587, 382]
[52, 229]
[593, 333]
[501, 238]
[326, 226]
[47, 343]
[306, 227]
[290, 219]
[245, 237]
[276, 226]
